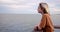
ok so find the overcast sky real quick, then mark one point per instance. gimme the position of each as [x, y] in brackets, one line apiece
[27, 6]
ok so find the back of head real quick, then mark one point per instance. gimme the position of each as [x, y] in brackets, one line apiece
[44, 6]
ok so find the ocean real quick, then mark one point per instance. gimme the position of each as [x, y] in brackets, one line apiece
[23, 22]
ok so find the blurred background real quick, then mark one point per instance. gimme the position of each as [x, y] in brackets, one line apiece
[22, 15]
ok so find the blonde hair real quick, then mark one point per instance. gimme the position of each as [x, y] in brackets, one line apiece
[45, 6]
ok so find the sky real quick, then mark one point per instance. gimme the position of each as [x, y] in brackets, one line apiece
[27, 6]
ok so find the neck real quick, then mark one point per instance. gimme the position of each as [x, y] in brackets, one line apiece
[42, 13]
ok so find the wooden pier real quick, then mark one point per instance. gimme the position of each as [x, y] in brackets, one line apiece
[57, 26]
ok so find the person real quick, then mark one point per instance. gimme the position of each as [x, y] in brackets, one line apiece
[46, 24]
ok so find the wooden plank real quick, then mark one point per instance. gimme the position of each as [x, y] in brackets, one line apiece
[57, 26]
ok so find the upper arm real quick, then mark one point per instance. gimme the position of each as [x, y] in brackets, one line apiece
[43, 22]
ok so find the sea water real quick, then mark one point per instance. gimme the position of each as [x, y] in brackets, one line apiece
[23, 22]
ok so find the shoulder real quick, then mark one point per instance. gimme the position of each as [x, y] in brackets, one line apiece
[46, 15]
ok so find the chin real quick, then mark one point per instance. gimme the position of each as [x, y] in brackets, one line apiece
[39, 12]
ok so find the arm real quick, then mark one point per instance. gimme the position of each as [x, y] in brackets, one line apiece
[50, 23]
[43, 22]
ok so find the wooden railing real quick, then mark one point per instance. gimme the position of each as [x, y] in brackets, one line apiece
[57, 26]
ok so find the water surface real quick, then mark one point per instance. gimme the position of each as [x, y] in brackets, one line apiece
[23, 22]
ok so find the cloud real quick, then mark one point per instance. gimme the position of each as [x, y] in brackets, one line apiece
[54, 5]
[19, 6]
[17, 3]
[29, 6]
[56, 9]
[9, 1]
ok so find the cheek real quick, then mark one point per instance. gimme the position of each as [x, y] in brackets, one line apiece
[39, 10]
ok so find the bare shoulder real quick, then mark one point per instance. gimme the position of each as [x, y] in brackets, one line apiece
[46, 15]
